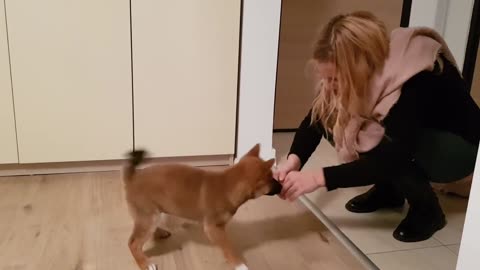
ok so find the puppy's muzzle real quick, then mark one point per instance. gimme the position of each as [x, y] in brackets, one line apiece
[275, 188]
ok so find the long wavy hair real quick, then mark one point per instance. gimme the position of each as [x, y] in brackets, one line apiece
[349, 50]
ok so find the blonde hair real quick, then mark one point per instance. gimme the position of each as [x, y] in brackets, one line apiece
[356, 44]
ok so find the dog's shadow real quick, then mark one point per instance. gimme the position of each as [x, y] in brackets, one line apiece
[244, 235]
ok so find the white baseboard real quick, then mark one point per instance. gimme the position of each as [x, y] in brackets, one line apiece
[103, 166]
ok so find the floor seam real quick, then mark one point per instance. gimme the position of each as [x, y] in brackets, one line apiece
[447, 247]
[449, 244]
[408, 249]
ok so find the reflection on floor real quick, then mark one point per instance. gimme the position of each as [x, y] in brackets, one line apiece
[372, 233]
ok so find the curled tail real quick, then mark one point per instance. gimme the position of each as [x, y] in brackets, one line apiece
[134, 159]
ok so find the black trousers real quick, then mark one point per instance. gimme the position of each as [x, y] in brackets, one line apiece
[447, 146]
[414, 185]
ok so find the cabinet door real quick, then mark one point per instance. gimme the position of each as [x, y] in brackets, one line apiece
[72, 79]
[185, 65]
[8, 142]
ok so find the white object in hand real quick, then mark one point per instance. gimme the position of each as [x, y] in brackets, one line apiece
[152, 267]
[241, 267]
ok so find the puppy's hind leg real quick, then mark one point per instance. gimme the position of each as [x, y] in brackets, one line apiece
[142, 231]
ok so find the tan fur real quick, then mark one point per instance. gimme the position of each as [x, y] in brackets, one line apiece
[209, 197]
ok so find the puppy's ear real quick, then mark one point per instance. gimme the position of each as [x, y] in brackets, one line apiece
[269, 163]
[254, 152]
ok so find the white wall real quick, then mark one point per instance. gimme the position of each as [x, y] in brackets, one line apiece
[261, 23]
[457, 27]
[449, 17]
[470, 248]
[431, 13]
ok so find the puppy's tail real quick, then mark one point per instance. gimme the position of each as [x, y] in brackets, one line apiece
[134, 159]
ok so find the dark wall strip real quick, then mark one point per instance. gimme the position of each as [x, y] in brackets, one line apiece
[406, 10]
[280, 130]
[472, 45]
[238, 77]
[278, 59]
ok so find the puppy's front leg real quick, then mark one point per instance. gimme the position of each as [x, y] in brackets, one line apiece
[217, 235]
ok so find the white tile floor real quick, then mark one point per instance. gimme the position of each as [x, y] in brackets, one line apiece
[372, 233]
[438, 258]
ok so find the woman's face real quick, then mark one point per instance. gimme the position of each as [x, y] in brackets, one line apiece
[327, 71]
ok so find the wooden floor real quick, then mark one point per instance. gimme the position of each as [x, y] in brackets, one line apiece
[80, 222]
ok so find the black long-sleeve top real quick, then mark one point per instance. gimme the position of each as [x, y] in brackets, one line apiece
[429, 99]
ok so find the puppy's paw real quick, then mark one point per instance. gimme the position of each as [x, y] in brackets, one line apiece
[152, 267]
[241, 267]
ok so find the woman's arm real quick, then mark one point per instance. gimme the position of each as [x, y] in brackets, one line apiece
[387, 160]
[306, 140]
[381, 164]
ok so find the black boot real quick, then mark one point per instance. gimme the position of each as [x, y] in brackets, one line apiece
[420, 224]
[379, 196]
[425, 216]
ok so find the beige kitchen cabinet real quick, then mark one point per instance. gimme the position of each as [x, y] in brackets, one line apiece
[185, 69]
[8, 142]
[71, 68]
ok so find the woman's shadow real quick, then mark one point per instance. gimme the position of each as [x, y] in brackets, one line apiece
[245, 235]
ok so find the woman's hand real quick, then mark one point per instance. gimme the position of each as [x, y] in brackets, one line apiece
[291, 164]
[299, 183]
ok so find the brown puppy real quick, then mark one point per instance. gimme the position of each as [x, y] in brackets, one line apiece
[211, 198]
